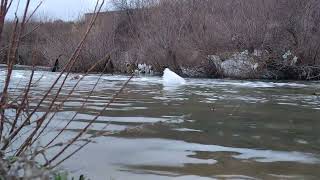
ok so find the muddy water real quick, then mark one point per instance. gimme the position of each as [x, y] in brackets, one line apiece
[206, 129]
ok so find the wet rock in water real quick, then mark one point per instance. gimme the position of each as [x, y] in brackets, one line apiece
[109, 67]
[56, 66]
[216, 60]
[193, 72]
[76, 77]
[131, 68]
[215, 64]
[235, 65]
[210, 67]
[170, 78]
[240, 65]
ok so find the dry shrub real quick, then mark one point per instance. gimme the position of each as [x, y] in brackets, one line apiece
[182, 33]
[23, 120]
[189, 30]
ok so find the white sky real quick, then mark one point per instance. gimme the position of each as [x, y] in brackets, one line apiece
[56, 9]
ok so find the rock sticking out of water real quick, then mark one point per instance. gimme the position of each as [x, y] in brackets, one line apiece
[77, 77]
[170, 78]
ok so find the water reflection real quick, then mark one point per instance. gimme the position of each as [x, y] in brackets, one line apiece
[210, 129]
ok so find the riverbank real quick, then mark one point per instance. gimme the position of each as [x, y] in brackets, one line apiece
[210, 42]
[226, 69]
[26, 67]
[238, 65]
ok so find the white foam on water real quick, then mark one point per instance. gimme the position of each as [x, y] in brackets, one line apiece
[123, 119]
[187, 130]
[247, 84]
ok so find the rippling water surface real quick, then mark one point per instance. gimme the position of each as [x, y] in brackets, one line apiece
[206, 129]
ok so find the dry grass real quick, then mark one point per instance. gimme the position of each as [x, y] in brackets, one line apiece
[182, 33]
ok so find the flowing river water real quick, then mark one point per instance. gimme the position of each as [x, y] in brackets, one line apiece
[205, 129]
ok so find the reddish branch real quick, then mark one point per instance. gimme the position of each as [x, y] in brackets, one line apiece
[67, 69]
[82, 132]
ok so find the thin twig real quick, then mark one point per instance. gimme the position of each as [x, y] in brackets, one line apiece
[68, 66]
[67, 97]
[89, 123]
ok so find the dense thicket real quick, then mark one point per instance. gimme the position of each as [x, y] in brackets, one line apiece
[182, 33]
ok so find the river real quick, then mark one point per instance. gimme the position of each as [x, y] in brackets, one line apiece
[205, 129]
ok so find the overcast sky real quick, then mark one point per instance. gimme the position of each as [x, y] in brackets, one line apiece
[57, 9]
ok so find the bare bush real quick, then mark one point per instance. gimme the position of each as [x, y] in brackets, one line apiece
[22, 126]
[182, 33]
